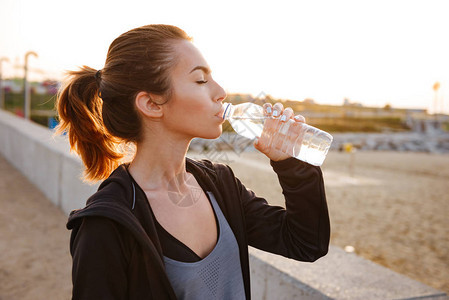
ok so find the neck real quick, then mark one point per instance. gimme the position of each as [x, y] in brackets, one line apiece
[159, 161]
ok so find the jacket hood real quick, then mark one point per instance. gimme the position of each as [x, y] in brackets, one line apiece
[113, 195]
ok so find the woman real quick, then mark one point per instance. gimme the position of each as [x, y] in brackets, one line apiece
[164, 226]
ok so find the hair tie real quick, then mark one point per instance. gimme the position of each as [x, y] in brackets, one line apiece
[98, 75]
[97, 81]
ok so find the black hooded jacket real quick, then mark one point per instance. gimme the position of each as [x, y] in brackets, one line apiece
[115, 247]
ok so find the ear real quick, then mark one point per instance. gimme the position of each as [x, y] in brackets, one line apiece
[145, 103]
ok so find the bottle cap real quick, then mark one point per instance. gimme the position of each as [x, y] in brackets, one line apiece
[226, 110]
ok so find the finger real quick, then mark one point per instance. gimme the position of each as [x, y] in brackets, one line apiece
[277, 109]
[299, 118]
[287, 114]
[268, 109]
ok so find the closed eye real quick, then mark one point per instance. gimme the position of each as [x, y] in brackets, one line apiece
[201, 81]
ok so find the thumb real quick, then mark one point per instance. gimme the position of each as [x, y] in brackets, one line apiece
[256, 143]
[261, 147]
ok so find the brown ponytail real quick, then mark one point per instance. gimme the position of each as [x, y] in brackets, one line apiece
[98, 128]
[80, 114]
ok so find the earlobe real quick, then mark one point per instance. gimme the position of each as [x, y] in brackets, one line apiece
[146, 105]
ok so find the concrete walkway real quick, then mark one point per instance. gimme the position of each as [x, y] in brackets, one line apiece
[35, 261]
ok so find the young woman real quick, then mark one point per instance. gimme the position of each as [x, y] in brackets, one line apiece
[164, 226]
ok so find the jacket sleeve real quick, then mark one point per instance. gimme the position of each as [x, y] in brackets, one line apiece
[301, 231]
[99, 260]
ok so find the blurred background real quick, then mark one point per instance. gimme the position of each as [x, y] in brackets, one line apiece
[375, 74]
[384, 55]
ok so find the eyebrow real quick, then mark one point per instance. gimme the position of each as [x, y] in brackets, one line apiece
[202, 68]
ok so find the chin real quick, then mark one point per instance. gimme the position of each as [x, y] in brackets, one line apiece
[211, 135]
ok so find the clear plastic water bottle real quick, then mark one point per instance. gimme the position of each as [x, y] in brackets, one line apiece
[299, 140]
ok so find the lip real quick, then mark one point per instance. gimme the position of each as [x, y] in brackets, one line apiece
[220, 113]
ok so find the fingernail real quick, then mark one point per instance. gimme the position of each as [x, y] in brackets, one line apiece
[275, 113]
[269, 109]
[283, 118]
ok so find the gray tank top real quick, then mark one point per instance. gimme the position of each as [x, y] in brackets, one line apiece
[217, 276]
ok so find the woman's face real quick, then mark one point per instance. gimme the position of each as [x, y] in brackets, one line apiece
[196, 101]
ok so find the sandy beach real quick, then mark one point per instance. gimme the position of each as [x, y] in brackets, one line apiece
[391, 207]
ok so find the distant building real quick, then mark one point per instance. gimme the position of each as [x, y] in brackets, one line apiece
[51, 86]
[347, 102]
[46, 87]
[12, 85]
[308, 101]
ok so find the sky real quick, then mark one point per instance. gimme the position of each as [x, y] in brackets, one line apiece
[370, 52]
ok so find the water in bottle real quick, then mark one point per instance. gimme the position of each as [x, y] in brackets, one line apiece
[246, 119]
[298, 140]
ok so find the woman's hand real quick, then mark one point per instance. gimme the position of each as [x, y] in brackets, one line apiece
[279, 134]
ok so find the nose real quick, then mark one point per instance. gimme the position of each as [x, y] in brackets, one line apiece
[220, 93]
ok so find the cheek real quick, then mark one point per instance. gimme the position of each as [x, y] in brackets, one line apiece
[189, 109]
[192, 102]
